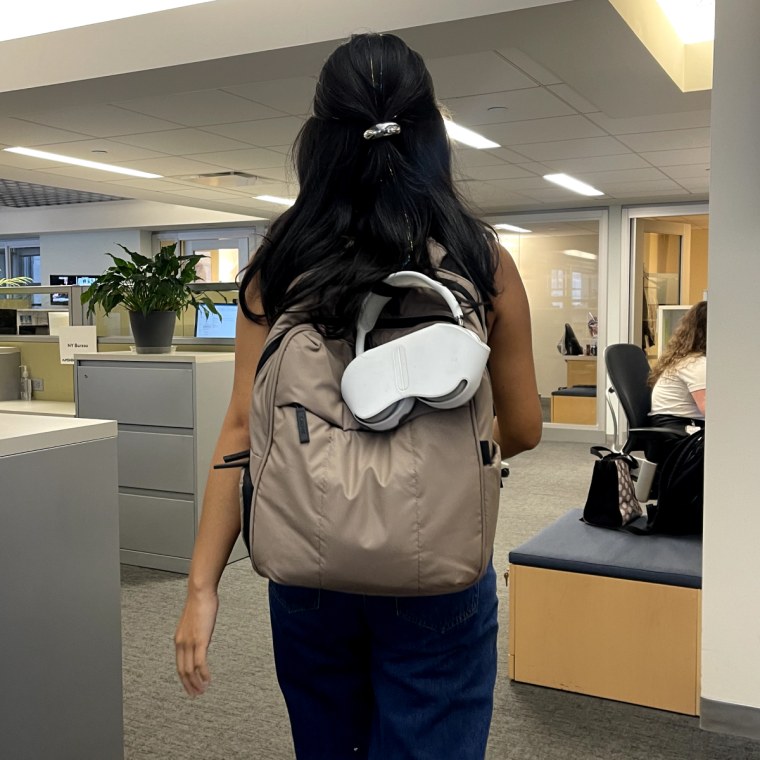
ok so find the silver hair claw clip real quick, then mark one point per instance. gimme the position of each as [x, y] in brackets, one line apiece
[383, 129]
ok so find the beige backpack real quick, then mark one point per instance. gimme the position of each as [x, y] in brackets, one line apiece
[329, 504]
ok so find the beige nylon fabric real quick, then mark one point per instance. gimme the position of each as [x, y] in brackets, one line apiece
[407, 512]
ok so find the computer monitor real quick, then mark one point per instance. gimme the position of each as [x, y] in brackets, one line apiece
[210, 326]
[61, 299]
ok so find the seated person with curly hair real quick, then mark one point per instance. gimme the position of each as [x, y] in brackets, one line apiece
[678, 378]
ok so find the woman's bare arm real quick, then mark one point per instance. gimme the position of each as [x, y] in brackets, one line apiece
[220, 517]
[518, 410]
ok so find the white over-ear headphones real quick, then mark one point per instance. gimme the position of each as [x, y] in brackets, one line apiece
[441, 365]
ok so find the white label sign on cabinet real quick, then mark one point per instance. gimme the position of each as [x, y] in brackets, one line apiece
[77, 340]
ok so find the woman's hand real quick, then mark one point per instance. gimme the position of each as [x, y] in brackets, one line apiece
[192, 638]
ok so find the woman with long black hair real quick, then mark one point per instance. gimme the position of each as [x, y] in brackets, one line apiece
[369, 677]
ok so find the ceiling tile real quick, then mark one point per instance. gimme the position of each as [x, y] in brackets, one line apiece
[592, 146]
[655, 185]
[291, 96]
[651, 123]
[535, 167]
[180, 142]
[555, 194]
[569, 95]
[243, 160]
[195, 109]
[99, 121]
[598, 163]
[521, 184]
[601, 179]
[160, 185]
[276, 173]
[474, 74]
[115, 152]
[676, 157]
[209, 193]
[688, 171]
[18, 132]
[540, 130]
[500, 171]
[647, 193]
[466, 157]
[696, 185]
[524, 62]
[518, 105]
[82, 172]
[170, 166]
[264, 133]
[674, 139]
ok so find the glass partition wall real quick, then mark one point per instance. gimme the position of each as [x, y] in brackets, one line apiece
[560, 256]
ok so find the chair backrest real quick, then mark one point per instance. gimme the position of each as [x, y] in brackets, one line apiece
[628, 369]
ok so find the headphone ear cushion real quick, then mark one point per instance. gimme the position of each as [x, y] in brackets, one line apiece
[390, 417]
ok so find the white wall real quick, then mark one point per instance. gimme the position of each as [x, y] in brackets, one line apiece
[731, 599]
[84, 252]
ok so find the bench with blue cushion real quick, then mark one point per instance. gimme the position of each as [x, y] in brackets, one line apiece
[607, 613]
[575, 405]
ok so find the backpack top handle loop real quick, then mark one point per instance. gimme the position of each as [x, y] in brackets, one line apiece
[374, 303]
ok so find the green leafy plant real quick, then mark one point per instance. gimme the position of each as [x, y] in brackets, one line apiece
[144, 284]
[8, 281]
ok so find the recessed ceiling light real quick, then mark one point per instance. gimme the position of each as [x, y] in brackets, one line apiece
[692, 20]
[510, 227]
[275, 199]
[579, 254]
[26, 20]
[570, 183]
[467, 136]
[81, 162]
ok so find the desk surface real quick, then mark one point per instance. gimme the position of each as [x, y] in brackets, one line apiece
[44, 408]
[22, 433]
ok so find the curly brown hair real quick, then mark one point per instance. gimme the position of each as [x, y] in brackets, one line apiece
[688, 339]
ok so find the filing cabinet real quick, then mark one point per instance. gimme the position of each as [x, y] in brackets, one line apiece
[169, 410]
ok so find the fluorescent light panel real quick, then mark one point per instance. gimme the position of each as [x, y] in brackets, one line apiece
[692, 20]
[467, 136]
[275, 199]
[28, 19]
[59, 159]
[580, 254]
[570, 183]
[510, 228]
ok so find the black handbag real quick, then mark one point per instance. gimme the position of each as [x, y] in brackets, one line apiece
[611, 501]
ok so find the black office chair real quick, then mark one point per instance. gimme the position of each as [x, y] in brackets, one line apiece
[628, 369]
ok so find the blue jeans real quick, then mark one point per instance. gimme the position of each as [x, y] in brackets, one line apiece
[385, 678]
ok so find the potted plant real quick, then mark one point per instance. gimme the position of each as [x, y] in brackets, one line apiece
[153, 290]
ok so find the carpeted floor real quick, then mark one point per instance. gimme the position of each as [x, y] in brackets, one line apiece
[243, 714]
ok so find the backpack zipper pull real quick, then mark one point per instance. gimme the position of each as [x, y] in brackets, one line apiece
[302, 424]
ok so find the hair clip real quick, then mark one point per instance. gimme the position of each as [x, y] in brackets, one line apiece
[383, 129]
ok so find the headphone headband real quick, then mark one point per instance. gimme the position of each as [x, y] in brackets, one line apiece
[374, 303]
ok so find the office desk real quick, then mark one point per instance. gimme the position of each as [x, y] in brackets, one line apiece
[59, 561]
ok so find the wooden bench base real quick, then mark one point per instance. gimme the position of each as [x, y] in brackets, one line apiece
[625, 640]
[574, 410]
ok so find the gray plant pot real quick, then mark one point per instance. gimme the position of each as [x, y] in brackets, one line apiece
[153, 332]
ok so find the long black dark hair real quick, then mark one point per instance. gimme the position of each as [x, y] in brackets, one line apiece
[366, 208]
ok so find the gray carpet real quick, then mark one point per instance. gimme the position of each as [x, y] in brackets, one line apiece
[243, 714]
